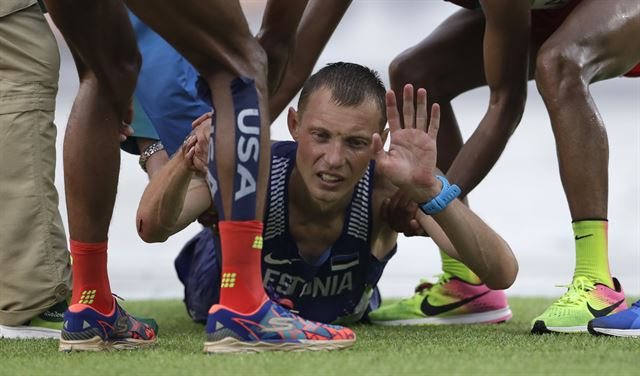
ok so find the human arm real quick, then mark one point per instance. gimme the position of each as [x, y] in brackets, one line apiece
[460, 233]
[175, 195]
[320, 19]
[506, 60]
[277, 36]
[410, 165]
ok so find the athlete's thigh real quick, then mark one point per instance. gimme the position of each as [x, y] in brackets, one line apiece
[600, 36]
[98, 32]
[451, 57]
[211, 34]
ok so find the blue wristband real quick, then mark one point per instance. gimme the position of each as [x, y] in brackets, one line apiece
[437, 204]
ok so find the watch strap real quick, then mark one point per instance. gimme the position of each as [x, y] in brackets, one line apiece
[448, 193]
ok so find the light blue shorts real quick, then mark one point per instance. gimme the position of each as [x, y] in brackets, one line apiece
[166, 95]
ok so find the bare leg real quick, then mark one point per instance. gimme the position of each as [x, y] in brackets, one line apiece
[576, 55]
[592, 44]
[107, 80]
[91, 145]
[447, 63]
[104, 48]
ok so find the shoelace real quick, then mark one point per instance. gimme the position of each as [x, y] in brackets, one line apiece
[424, 286]
[287, 304]
[576, 293]
[118, 297]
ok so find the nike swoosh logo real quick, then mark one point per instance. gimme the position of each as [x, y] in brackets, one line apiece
[270, 260]
[344, 266]
[605, 311]
[583, 236]
[431, 310]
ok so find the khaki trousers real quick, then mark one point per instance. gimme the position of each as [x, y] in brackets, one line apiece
[35, 270]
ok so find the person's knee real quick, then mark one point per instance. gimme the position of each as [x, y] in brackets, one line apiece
[122, 76]
[403, 70]
[408, 68]
[113, 79]
[559, 73]
[276, 47]
[249, 60]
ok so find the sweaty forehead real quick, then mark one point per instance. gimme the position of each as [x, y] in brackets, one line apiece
[322, 110]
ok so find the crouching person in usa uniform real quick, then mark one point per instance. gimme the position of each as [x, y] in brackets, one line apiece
[325, 239]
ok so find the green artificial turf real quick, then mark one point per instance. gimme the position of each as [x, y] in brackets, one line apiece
[427, 350]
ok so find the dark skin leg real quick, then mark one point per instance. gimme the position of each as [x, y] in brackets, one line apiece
[594, 43]
[215, 37]
[107, 80]
[448, 63]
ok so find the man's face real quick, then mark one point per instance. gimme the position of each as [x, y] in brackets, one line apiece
[334, 144]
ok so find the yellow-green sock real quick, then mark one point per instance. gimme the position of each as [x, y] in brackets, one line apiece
[458, 269]
[592, 255]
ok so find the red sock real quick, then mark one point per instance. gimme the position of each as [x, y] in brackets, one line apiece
[241, 287]
[90, 278]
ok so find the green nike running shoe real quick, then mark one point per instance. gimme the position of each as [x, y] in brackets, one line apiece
[584, 300]
[450, 301]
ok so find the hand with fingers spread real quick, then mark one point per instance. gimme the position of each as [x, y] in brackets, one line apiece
[410, 163]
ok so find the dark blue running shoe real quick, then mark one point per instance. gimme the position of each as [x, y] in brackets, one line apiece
[85, 329]
[622, 324]
[270, 328]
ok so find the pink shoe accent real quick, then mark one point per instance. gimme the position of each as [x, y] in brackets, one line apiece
[607, 296]
[489, 300]
[75, 308]
[216, 307]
